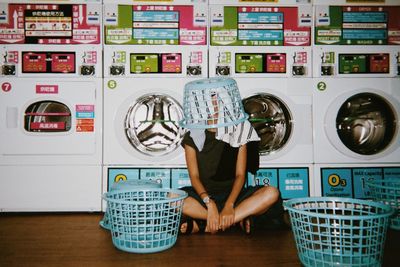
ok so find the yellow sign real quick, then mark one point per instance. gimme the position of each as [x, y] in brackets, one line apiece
[120, 177]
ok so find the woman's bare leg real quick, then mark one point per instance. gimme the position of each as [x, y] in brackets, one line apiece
[258, 203]
[193, 209]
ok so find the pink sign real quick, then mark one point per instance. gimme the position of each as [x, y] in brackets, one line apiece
[46, 89]
[84, 108]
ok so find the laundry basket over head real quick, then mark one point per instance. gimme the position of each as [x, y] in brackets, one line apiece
[212, 103]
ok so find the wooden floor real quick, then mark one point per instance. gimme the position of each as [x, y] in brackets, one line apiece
[77, 240]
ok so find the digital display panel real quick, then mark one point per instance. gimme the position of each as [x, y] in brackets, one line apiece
[155, 25]
[260, 26]
[50, 24]
[357, 25]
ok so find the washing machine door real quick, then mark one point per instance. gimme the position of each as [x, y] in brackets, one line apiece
[47, 116]
[151, 124]
[272, 120]
[366, 123]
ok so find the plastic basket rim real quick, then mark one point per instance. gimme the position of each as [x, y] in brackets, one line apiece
[389, 210]
[182, 195]
[378, 183]
[209, 83]
[183, 123]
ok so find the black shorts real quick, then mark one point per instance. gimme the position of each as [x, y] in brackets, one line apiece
[220, 198]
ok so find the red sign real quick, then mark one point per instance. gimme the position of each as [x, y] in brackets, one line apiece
[48, 126]
[6, 86]
[46, 89]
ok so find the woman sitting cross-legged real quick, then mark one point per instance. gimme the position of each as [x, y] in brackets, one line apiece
[220, 148]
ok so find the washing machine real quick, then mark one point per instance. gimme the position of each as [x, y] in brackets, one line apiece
[266, 48]
[356, 133]
[356, 70]
[152, 49]
[50, 106]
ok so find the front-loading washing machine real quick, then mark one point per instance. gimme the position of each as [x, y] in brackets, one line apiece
[355, 104]
[152, 49]
[356, 133]
[266, 48]
[280, 111]
[50, 106]
[142, 138]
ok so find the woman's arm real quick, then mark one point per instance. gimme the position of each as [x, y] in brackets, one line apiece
[228, 213]
[191, 162]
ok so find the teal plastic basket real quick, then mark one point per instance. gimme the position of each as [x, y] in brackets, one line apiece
[387, 191]
[126, 185]
[212, 103]
[144, 220]
[339, 231]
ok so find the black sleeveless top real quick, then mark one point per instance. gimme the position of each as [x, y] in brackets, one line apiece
[216, 163]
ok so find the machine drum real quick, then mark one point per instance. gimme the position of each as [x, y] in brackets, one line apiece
[366, 123]
[271, 119]
[151, 124]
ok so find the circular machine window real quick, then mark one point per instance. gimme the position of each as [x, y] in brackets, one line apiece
[366, 123]
[47, 116]
[151, 124]
[272, 120]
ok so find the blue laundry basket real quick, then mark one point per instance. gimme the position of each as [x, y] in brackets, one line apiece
[127, 184]
[144, 220]
[387, 191]
[339, 231]
[212, 103]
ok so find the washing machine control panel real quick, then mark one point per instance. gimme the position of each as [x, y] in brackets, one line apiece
[350, 62]
[242, 62]
[183, 62]
[20, 62]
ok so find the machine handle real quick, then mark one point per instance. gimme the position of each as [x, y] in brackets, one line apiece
[12, 117]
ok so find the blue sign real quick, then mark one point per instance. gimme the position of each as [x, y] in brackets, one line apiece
[360, 176]
[336, 182]
[391, 172]
[162, 176]
[293, 182]
[180, 178]
[264, 176]
[121, 174]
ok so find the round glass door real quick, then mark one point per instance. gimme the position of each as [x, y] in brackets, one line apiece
[366, 123]
[47, 116]
[272, 120]
[151, 124]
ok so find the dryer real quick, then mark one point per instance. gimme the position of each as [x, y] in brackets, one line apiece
[152, 49]
[356, 133]
[266, 48]
[50, 106]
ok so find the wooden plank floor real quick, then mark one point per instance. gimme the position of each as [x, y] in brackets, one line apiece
[77, 240]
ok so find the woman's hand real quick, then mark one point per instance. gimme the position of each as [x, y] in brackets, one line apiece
[212, 217]
[227, 217]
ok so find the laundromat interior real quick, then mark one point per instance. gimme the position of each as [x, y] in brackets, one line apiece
[92, 95]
